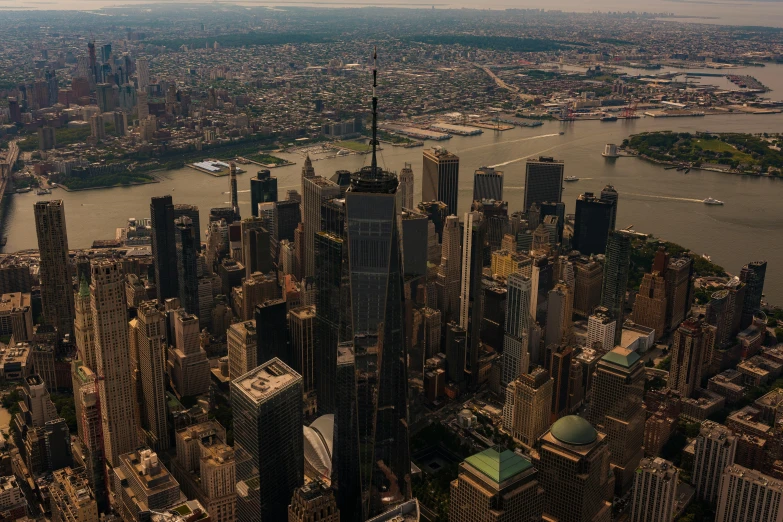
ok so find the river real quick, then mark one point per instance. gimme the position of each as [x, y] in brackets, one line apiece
[665, 203]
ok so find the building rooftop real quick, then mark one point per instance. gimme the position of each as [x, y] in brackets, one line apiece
[574, 430]
[756, 477]
[621, 357]
[14, 300]
[266, 380]
[406, 512]
[499, 466]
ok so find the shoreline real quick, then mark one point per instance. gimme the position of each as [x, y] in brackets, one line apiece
[133, 184]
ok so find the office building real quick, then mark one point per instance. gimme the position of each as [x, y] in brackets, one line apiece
[47, 139]
[406, 186]
[449, 271]
[315, 191]
[54, 270]
[187, 264]
[649, 308]
[120, 123]
[573, 460]
[302, 332]
[487, 184]
[654, 491]
[242, 339]
[104, 95]
[273, 343]
[752, 275]
[83, 329]
[746, 495]
[267, 408]
[70, 497]
[679, 290]
[609, 194]
[112, 347]
[142, 73]
[440, 178]
[16, 316]
[88, 449]
[616, 269]
[192, 212]
[148, 336]
[692, 351]
[313, 502]
[346, 479]
[143, 484]
[437, 211]
[617, 408]
[164, 247]
[496, 485]
[188, 366]
[205, 467]
[415, 237]
[716, 447]
[517, 327]
[588, 279]
[592, 223]
[559, 319]
[263, 189]
[543, 181]
[256, 246]
[528, 403]
[558, 362]
[98, 127]
[470, 288]
[505, 262]
[600, 329]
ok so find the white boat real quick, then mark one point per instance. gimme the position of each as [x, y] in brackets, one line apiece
[711, 201]
[571, 178]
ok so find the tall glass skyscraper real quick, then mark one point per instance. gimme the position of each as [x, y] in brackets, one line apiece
[263, 189]
[616, 268]
[164, 249]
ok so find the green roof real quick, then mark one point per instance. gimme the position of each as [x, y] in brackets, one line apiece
[84, 288]
[499, 466]
[573, 430]
[621, 357]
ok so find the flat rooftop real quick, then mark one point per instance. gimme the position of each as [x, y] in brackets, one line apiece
[268, 379]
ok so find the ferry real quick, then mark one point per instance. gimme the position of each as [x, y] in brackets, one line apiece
[711, 201]
[43, 192]
[571, 178]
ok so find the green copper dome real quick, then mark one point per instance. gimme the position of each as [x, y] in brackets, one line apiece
[574, 430]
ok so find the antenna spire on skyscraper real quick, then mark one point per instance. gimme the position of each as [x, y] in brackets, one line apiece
[374, 111]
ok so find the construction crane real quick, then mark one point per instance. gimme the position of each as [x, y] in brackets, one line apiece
[629, 112]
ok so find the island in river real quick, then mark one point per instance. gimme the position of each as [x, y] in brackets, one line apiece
[737, 153]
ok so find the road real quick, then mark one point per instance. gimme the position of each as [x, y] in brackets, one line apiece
[503, 85]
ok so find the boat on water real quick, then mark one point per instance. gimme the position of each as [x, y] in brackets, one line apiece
[43, 192]
[562, 132]
[609, 117]
[712, 201]
[571, 178]
[24, 190]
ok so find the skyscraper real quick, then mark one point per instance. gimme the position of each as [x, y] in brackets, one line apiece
[752, 275]
[56, 286]
[112, 347]
[313, 501]
[187, 264]
[487, 184]
[691, 351]
[616, 268]
[345, 468]
[148, 332]
[600, 329]
[406, 186]
[437, 211]
[715, 449]
[528, 404]
[679, 290]
[142, 73]
[376, 296]
[301, 328]
[496, 484]
[470, 288]
[83, 326]
[71, 499]
[592, 223]
[559, 366]
[316, 190]
[440, 178]
[242, 340]
[187, 364]
[90, 430]
[449, 271]
[649, 308]
[191, 211]
[543, 181]
[559, 317]
[164, 247]
[267, 408]
[515, 353]
[232, 187]
[746, 495]
[617, 409]
[654, 491]
[588, 279]
[271, 319]
[573, 459]
[263, 189]
[609, 194]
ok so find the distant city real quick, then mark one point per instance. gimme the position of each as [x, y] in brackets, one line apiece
[364, 346]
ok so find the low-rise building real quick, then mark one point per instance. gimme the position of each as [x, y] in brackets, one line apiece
[702, 405]
[728, 384]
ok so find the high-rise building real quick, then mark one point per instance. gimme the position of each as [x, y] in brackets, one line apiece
[301, 327]
[311, 502]
[487, 184]
[616, 269]
[600, 329]
[528, 402]
[89, 449]
[263, 189]
[192, 212]
[505, 262]
[470, 288]
[164, 247]
[449, 271]
[654, 491]
[120, 123]
[346, 478]
[148, 334]
[188, 366]
[588, 279]
[256, 246]
[515, 354]
[54, 272]
[496, 485]
[143, 484]
[437, 211]
[440, 178]
[98, 127]
[242, 339]
[142, 73]
[609, 194]
[71, 498]
[543, 181]
[316, 190]
[617, 408]
[649, 308]
[593, 221]
[267, 408]
[752, 275]
[679, 290]
[406, 186]
[83, 326]
[692, 349]
[747, 495]
[47, 139]
[573, 460]
[187, 264]
[112, 346]
[559, 317]
[271, 319]
[232, 189]
[559, 365]
[415, 237]
[104, 94]
[715, 449]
